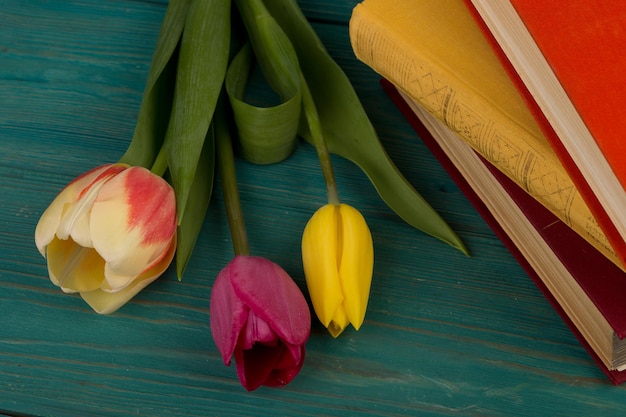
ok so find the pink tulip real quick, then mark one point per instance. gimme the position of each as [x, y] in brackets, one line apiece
[259, 314]
[108, 234]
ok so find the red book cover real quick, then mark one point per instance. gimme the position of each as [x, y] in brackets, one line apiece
[603, 282]
[590, 63]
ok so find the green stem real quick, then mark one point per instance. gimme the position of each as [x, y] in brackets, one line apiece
[315, 126]
[226, 164]
[160, 163]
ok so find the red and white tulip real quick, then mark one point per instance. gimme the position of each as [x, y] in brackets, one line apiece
[108, 234]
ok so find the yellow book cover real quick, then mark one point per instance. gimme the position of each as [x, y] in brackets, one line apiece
[434, 52]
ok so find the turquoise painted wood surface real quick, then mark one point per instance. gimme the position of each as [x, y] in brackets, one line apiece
[444, 334]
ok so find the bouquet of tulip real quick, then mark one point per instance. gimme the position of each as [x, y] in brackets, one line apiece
[115, 229]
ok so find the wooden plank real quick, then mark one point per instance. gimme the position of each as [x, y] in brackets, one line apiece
[444, 334]
[328, 11]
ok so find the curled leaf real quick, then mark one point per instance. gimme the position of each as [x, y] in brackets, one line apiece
[266, 134]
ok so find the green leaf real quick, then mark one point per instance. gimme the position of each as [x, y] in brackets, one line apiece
[196, 208]
[202, 62]
[347, 129]
[266, 134]
[157, 97]
[272, 47]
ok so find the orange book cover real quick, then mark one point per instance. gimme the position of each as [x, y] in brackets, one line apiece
[584, 44]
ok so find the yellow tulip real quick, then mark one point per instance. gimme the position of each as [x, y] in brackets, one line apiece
[108, 234]
[338, 261]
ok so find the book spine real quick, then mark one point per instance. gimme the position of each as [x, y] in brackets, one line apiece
[493, 135]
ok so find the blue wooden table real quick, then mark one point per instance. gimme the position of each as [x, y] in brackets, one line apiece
[444, 334]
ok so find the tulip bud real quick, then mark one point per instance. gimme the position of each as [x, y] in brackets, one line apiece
[259, 315]
[108, 234]
[338, 261]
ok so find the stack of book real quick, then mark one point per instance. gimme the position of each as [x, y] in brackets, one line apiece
[520, 101]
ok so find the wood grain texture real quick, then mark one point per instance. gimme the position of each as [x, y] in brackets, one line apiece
[444, 334]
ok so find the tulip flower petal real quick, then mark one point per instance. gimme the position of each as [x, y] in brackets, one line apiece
[292, 356]
[132, 229]
[50, 221]
[259, 283]
[320, 251]
[257, 331]
[104, 302]
[357, 264]
[74, 268]
[254, 366]
[120, 282]
[270, 366]
[288, 367]
[76, 220]
[228, 314]
[339, 323]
